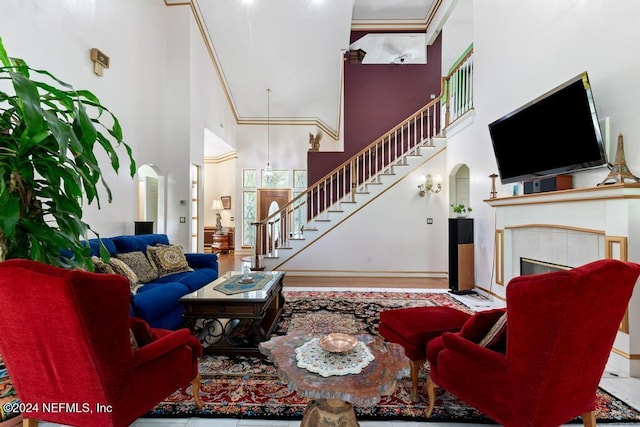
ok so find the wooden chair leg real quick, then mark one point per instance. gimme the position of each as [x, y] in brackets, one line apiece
[589, 419]
[415, 368]
[431, 393]
[29, 422]
[195, 385]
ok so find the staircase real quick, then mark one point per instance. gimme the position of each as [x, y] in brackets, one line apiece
[348, 207]
[365, 176]
[346, 189]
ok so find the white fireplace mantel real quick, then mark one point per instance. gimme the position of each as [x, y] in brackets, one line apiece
[611, 210]
[604, 192]
[573, 227]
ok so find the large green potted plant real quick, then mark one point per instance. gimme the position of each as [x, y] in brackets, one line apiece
[49, 133]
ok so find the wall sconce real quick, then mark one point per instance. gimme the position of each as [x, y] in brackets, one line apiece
[428, 185]
[100, 61]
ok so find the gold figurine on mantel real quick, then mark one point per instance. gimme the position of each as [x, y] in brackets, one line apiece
[619, 172]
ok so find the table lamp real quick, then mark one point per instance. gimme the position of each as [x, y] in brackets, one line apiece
[217, 207]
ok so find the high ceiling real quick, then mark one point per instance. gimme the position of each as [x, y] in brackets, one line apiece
[294, 47]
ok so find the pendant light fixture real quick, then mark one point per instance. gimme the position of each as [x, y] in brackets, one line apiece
[268, 171]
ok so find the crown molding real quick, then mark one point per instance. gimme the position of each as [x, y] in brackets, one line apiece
[328, 130]
[388, 25]
[209, 160]
[398, 24]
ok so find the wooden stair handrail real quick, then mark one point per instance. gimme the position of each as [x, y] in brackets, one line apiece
[357, 163]
[353, 158]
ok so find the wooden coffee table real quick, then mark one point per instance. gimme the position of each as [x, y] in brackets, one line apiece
[335, 395]
[237, 323]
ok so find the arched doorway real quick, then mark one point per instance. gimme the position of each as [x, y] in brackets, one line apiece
[459, 188]
[151, 197]
[270, 200]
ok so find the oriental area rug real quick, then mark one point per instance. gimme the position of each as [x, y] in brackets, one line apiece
[249, 387]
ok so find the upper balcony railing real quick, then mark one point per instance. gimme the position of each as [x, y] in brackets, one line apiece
[342, 184]
[458, 89]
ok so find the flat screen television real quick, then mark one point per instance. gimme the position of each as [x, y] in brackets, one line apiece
[556, 133]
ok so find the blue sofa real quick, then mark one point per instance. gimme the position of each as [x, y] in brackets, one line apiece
[158, 302]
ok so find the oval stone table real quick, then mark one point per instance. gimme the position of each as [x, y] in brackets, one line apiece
[335, 396]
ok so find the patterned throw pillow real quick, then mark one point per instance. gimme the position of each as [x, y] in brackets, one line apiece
[133, 341]
[122, 269]
[99, 266]
[168, 259]
[139, 263]
[496, 334]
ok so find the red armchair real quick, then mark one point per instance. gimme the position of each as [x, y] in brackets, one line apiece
[66, 343]
[559, 332]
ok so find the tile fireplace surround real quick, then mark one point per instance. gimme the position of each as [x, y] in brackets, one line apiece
[574, 227]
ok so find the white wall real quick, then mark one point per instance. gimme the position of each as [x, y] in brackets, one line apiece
[457, 34]
[172, 149]
[161, 86]
[58, 36]
[523, 49]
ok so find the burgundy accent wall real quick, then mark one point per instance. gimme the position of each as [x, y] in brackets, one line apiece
[377, 97]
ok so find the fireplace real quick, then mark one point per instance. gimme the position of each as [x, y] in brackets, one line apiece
[532, 266]
[570, 228]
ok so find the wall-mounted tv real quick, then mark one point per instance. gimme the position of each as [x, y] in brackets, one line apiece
[556, 133]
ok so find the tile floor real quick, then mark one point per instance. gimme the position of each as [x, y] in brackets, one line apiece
[626, 389]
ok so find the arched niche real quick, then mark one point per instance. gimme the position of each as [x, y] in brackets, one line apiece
[459, 185]
[151, 197]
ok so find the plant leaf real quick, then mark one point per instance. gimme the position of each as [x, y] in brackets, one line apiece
[30, 100]
[9, 211]
[86, 126]
[4, 58]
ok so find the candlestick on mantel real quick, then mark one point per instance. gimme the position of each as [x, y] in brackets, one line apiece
[493, 193]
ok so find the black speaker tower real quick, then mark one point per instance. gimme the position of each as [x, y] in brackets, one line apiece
[461, 266]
